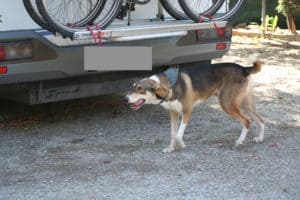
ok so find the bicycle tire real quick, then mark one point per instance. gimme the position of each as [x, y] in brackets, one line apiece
[174, 9]
[67, 29]
[193, 12]
[228, 16]
[142, 2]
[109, 13]
[33, 12]
[211, 11]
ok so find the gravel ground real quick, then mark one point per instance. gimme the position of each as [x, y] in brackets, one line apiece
[100, 149]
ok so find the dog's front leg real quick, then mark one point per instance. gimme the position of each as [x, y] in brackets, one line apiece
[174, 116]
[179, 136]
[184, 121]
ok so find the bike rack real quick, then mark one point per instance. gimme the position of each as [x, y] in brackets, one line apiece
[119, 32]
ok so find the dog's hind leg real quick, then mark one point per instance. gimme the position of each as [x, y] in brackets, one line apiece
[174, 129]
[248, 105]
[231, 106]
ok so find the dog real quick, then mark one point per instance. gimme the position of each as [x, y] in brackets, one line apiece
[230, 82]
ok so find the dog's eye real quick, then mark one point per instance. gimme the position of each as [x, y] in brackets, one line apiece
[139, 88]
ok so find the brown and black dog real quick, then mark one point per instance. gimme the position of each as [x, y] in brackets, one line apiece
[230, 82]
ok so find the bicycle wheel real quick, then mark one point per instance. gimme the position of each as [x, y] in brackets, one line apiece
[174, 9]
[216, 9]
[32, 10]
[108, 13]
[69, 16]
[228, 10]
[196, 8]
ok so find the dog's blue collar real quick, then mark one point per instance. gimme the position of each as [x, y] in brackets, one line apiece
[172, 74]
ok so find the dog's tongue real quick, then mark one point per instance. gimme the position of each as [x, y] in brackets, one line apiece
[138, 103]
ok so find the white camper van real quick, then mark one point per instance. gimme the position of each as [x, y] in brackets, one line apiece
[39, 67]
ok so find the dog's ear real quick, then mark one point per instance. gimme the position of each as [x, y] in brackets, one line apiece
[159, 89]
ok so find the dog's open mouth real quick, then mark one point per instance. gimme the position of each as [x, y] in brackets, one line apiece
[138, 104]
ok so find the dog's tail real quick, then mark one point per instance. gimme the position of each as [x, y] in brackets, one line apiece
[255, 68]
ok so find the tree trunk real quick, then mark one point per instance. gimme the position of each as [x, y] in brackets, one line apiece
[263, 18]
[291, 23]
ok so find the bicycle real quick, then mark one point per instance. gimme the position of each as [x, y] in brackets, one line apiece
[88, 16]
[55, 13]
[69, 16]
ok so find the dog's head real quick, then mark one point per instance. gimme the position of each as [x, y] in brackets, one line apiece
[145, 91]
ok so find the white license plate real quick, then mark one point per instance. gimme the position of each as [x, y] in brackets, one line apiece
[117, 58]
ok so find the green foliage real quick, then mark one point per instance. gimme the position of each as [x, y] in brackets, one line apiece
[271, 23]
[251, 12]
[275, 23]
[286, 7]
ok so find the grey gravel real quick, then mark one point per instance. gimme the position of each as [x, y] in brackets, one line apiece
[100, 149]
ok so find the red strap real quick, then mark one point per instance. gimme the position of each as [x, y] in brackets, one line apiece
[219, 30]
[72, 25]
[92, 33]
[96, 34]
[99, 34]
[205, 15]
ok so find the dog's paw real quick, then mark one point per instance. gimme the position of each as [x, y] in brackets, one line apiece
[180, 143]
[239, 143]
[169, 150]
[257, 140]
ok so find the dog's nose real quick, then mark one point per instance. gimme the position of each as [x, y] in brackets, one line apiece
[126, 99]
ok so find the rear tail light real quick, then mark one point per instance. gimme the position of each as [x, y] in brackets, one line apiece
[3, 69]
[16, 50]
[221, 46]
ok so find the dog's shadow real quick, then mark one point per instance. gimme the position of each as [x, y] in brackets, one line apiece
[211, 126]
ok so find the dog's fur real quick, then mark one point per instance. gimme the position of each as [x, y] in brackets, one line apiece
[230, 82]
